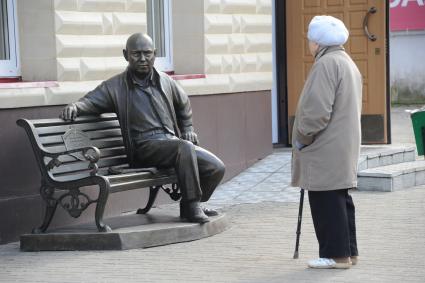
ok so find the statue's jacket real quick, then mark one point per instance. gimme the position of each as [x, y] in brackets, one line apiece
[115, 95]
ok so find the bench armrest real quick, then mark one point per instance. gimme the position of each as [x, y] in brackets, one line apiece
[90, 154]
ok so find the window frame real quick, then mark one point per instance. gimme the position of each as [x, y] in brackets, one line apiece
[11, 67]
[165, 64]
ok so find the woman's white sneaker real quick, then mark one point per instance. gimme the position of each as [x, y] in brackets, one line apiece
[327, 263]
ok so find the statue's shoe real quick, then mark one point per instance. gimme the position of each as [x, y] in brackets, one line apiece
[206, 210]
[193, 212]
[209, 211]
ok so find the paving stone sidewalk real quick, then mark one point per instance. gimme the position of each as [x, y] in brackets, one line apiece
[258, 247]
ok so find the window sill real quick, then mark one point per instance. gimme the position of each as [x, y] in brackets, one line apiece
[31, 94]
[188, 77]
[20, 84]
[28, 84]
[10, 79]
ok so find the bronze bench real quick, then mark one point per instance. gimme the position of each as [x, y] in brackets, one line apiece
[85, 152]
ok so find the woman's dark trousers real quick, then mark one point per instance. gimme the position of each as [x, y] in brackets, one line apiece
[333, 216]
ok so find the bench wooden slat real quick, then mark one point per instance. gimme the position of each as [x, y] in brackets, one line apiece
[61, 129]
[78, 120]
[102, 134]
[137, 175]
[142, 183]
[83, 165]
[104, 153]
[79, 175]
[102, 144]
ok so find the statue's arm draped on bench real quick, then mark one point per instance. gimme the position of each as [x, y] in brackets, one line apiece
[96, 101]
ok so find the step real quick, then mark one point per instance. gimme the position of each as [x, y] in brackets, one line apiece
[392, 177]
[376, 156]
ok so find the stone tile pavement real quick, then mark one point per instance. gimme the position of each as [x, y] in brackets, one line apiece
[267, 180]
[258, 247]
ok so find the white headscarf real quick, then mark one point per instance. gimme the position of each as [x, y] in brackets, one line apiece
[327, 31]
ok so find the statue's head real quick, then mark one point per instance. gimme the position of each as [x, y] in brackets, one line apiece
[140, 54]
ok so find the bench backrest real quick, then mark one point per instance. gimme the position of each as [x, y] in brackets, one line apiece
[48, 135]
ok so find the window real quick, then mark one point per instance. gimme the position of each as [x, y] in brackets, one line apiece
[159, 28]
[9, 65]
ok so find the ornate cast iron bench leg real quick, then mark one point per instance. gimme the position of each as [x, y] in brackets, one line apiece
[100, 207]
[153, 192]
[51, 204]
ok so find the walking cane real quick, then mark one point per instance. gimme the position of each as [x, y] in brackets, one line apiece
[300, 215]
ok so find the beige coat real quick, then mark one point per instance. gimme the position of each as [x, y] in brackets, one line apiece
[327, 120]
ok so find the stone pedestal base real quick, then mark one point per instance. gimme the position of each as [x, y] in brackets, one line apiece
[130, 231]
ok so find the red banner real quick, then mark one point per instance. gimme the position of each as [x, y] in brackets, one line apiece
[407, 15]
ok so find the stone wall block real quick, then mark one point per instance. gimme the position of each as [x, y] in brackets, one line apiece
[264, 62]
[24, 97]
[238, 6]
[102, 5]
[107, 23]
[128, 23]
[248, 63]
[213, 64]
[258, 43]
[236, 43]
[264, 7]
[68, 69]
[78, 23]
[252, 81]
[90, 45]
[215, 23]
[256, 24]
[67, 5]
[67, 92]
[68, 46]
[219, 82]
[138, 6]
[216, 44]
[100, 68]
[236, 23]
[236, 63]
[212, 6]
[226, 64]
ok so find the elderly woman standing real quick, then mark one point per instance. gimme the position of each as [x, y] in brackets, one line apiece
[326, 142]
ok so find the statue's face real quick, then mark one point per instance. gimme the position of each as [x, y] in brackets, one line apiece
[140, 55]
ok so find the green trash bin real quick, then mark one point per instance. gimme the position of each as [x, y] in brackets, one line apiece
[418, 122]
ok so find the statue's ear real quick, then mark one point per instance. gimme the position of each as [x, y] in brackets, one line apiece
[125, 54]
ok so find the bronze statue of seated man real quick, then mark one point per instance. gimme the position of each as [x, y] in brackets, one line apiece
[156, 122]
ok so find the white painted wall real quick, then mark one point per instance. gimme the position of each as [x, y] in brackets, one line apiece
[407, 65]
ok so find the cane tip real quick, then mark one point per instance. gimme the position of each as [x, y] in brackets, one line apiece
[295, 255]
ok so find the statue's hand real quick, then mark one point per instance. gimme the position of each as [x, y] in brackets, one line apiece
[69, 113]
[191, 136]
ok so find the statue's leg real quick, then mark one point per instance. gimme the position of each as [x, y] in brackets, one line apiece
[180, 155]
[100, 207]
[51, 204]
[211, 172]
[153, 192]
